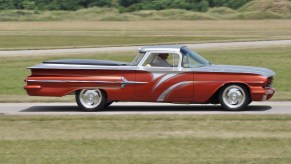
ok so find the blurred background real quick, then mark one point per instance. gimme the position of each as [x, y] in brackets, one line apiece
[73, 24]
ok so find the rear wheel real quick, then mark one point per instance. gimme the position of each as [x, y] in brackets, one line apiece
[91, 99]
[234, 97]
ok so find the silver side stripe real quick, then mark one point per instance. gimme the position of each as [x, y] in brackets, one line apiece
[163, 79]
[167, 91]
[157, 75]
[123, 83]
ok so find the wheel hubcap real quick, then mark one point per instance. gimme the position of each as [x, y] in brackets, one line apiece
[90, 98]
[234, 96]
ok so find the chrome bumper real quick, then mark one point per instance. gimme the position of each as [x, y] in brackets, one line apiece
[269, 92]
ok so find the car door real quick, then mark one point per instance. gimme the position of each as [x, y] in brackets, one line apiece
[165, 83]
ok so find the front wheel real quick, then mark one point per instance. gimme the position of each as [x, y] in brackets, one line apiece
[108, 104]
[91, 99]
[234, 97]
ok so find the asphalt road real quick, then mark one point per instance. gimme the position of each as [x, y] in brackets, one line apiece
[134, 48]
[124, 108]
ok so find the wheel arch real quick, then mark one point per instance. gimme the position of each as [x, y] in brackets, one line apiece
[214, 98]
[75, 90]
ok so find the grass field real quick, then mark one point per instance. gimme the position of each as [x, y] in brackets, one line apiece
[39, 35]
[145, 139]
[13, 70]
[54, 41]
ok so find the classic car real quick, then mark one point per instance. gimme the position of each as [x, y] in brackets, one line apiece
[172, 74]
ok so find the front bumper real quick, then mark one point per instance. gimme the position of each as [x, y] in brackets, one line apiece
[262, 94]
[269, 92]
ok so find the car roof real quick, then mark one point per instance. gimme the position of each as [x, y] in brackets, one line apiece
[175, 48]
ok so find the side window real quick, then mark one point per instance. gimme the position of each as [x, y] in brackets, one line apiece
[162, 60]
[185, 61]
[148, 62]
[174, 60]
[137, 59]
[189, 62]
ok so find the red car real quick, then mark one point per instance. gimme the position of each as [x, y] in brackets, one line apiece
[172, 74]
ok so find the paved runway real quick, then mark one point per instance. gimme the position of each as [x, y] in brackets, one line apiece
[124, 108]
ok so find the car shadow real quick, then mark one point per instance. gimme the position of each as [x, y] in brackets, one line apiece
[158, 108]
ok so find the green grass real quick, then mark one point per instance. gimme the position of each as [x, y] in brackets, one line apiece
[13, 70]
[145, 139]
[71, 34]
[37, 42]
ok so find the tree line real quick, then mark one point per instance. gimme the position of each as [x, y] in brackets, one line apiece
[122, 5]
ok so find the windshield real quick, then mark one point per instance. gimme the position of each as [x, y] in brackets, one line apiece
[137, 59]
[191, 59]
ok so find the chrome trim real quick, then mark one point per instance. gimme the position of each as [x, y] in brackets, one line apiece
[236, 69]
[175, 48]
[90, 98]
[220, 81]
[270, 91]
[82, 67]
[143, 59]
[167, 91]
[73, 81]
[162, 51]
[123, 83]
[234, 96]
[126, 82]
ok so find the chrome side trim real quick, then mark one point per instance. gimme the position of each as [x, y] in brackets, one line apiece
[167, 91]
[236, 69]
[123, 81]
[126, 82]
[82, 67]
[72, 81]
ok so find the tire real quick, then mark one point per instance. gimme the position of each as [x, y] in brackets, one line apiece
[108, 104]
[91, 100]
[234, 97]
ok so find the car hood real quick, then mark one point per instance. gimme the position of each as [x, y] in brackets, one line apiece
[238, 69]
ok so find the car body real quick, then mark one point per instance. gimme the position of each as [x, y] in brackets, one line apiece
[189, 78]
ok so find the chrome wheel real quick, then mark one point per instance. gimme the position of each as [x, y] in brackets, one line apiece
[234, 97]
[90, 99]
